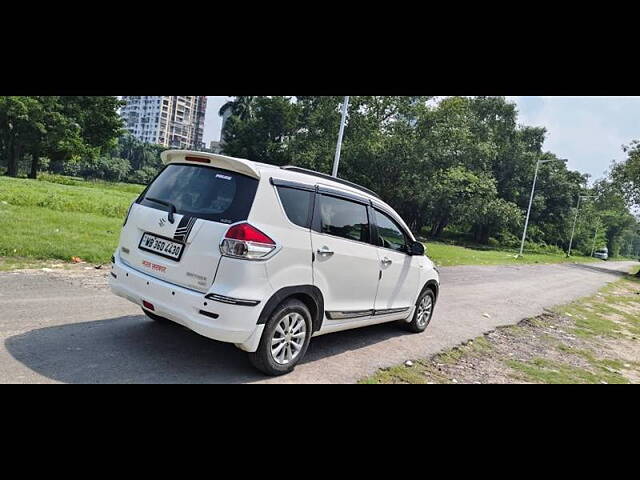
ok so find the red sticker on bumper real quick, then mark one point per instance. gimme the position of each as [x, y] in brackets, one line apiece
[154, 267]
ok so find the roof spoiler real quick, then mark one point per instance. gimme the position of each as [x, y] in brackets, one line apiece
[238, 165]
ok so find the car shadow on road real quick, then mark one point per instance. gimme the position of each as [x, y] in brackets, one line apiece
[599, 269]
[133, 349]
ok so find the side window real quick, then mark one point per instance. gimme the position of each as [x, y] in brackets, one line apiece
[297, 205]
[343, 218]
[390, 235]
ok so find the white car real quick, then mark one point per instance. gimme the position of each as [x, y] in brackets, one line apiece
[602, 253]
[267, 257]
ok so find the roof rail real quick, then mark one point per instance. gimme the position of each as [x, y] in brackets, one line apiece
[329, 177]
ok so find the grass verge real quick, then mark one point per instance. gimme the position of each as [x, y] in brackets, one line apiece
[593, 340]
[450, 255]
[42, 220]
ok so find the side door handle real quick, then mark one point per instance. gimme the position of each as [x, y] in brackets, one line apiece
[325, 251]
[386, 261]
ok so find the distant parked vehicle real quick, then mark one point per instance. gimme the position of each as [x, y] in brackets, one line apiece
[602, 253]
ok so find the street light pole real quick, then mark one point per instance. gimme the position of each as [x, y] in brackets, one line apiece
[594, 240]
[336, 161]
[575, 221]
[533, 190]
[526, 223]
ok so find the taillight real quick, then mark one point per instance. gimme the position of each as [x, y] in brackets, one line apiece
[246, 241]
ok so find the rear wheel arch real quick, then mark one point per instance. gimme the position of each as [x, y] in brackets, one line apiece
[310, 295]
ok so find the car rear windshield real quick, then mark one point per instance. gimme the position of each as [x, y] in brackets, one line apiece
[203, 192]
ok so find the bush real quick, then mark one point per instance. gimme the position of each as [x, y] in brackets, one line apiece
[70, 168]
[532, 247]
[113, 169]
[144, 175]
[508, 239]
[493, 243]
[59, 179]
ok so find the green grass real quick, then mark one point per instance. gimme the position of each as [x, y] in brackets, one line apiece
[101, 199]
[40, 233]
[450, 255]
[100, 184]
[43, 220]
[419, 373]
[603, 314]
[541, 370]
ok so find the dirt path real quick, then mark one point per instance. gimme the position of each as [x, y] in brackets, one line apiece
[65, 326]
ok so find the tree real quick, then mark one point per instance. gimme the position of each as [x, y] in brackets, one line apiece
[20, 121]
[457, 163]
[98, 124]
[611, 208]
[455, 194]
[381, 148]
[61, 128]
[242, 107]
[263, 135]
[492, 217]
[626, 175]
[625, 181]
[57, 134]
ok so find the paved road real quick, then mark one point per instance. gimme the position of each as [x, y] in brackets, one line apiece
[69, 328]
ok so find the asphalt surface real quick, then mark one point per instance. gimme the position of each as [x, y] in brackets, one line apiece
[69, 328]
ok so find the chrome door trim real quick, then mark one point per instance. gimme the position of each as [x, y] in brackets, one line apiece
[351, 314]
[390, 311]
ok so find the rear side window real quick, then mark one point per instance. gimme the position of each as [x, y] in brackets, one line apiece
[203, 192]
[343, 218]
[297, 205]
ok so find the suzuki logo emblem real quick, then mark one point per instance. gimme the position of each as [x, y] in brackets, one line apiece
[162, 222]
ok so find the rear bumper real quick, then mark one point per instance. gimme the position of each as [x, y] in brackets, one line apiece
[234, 323]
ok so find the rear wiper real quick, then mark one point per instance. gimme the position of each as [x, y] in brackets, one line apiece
[171, 206]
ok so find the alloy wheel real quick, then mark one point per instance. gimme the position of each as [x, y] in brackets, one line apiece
[424, 311]
[288, 338]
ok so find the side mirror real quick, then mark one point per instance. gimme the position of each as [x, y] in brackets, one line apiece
[416, 248]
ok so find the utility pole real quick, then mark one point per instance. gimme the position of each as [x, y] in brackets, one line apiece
[533, 190]
[594, 240]
[336, 161]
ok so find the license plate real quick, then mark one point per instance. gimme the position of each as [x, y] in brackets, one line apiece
[161, 246]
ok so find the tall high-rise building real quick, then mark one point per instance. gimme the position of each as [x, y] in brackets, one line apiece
[175, 122]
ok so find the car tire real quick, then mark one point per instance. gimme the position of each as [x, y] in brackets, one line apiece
[156, 318]
[278, 352]
[423, 313]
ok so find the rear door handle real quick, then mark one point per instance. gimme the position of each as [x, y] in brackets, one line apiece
[325, 252]
[386, 261]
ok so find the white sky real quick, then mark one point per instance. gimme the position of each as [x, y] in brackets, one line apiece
[213, 122]
[589, 131]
